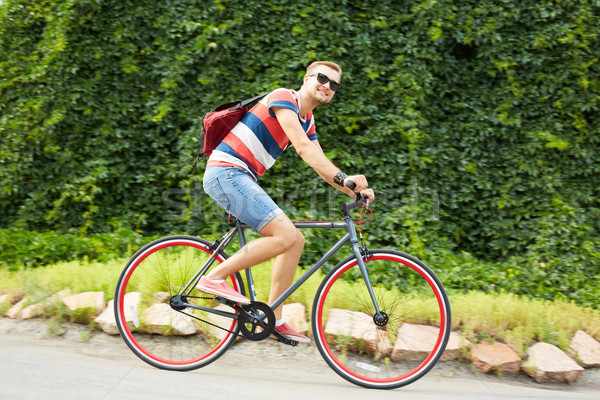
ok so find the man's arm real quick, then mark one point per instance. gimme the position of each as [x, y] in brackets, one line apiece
[312, 153]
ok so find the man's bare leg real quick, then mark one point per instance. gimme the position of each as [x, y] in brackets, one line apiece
[280, 237]
[283, 273]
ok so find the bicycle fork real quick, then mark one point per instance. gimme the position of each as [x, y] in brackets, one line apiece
[361, 256]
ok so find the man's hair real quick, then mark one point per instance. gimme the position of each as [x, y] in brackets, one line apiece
[329, 64]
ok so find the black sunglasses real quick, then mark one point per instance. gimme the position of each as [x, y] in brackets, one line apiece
[323, 79]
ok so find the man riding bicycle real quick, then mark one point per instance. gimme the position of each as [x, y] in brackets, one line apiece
[282, 117]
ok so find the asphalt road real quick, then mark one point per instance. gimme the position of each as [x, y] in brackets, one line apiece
[82, 365]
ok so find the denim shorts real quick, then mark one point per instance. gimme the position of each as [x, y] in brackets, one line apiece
[236, 192]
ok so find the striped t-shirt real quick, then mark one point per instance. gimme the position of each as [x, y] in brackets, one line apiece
[258, 139]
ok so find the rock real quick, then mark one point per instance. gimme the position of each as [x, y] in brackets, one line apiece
[414, 342]
[497, 357]
[161, 319]
[358, 331]
[547, 363]
[4, 298]
[295, 315]
[35, 310]
[15, 310]
[32, 311]
[455, 342]
[585, 349]
[107, 321]
[86, 300]
[162, 297]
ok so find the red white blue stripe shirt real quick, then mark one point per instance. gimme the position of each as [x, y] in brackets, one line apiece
[258, 139]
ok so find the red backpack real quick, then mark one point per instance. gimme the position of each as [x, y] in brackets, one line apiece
[218, 123]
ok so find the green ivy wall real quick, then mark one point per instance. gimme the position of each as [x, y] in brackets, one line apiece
[476, 122]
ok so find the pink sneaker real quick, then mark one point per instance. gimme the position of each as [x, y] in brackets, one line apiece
[289, 333]
[221, 289]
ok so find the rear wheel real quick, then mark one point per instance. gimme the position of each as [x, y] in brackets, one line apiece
[149, 313]
[390, 349]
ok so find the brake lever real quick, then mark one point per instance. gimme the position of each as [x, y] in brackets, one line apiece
[351, 185]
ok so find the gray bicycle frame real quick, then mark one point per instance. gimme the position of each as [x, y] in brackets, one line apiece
[349, 236]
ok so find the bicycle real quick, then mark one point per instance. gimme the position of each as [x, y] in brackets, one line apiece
[392, 332]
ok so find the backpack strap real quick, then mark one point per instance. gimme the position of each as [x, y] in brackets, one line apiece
[236, 105]
[245, 103]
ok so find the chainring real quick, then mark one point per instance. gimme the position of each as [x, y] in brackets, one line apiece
[257, 322]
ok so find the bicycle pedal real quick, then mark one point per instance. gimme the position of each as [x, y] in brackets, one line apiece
[225, 301]
[289, 342]
[284, 340]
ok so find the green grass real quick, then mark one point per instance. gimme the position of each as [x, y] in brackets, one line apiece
[79, 276]
[520, 321]
[515, 320]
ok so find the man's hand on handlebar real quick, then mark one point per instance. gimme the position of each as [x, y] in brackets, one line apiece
[360, 182]
[361, 186]
[368, 194]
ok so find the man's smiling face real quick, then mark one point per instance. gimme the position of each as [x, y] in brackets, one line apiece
[321, 92]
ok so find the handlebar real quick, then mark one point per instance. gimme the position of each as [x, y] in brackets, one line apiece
[359, 199]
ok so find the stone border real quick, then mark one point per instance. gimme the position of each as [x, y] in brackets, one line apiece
[544, 362]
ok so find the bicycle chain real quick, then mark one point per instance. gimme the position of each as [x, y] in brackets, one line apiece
[207, 322]
[241, 320]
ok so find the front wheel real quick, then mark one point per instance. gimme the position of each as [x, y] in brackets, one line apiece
[150, 315]
[395, 347]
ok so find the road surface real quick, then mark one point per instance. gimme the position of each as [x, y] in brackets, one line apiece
[84, 364]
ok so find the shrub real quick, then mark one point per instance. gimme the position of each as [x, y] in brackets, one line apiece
[476, 122]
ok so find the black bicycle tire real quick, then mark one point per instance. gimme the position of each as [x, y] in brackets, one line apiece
[123, 332]
[319, 335]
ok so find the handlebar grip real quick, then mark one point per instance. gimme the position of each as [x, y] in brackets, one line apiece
[351, 185]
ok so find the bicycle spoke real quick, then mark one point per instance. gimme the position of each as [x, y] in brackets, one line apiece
[381, 356]
[165, 337]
